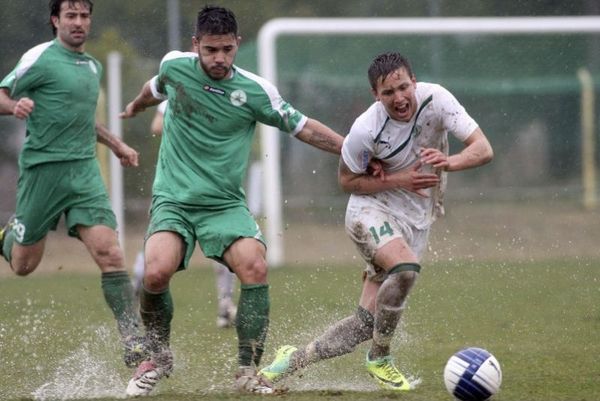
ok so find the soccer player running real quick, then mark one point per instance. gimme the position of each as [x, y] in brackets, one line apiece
[197, 193]
[55, 87]
[389, 220]
[226, 310]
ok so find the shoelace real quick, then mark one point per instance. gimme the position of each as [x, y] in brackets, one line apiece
[390, 369]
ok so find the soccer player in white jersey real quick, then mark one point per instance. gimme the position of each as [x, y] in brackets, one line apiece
[197, 194]
[389, 220]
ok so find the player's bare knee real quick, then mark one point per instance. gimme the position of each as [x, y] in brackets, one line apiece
[26, 264]
[111, 256]
[155, 278]
[23, 269]
[255, 271]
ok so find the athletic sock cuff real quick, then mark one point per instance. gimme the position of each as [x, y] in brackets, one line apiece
[405, 267]
[253, 286]
[154, 293]
[365, 316]
[115, 274]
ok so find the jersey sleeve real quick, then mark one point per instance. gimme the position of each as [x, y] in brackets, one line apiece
[157, 89]
[272, 109]
[26, 76]
[157, 83]
[453, 116]
[279, 113]
[162, 107]
[357, 149]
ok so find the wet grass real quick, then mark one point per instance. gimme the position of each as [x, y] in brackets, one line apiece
[542, 322]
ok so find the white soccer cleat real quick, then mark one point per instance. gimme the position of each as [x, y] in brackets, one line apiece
[144, 380]
[247, 381]
[149, 373]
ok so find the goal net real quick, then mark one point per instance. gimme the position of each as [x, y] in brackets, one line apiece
[518, 77]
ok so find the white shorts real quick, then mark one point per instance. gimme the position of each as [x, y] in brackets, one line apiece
[370, 228]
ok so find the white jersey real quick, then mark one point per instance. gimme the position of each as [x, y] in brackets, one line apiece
[375, 135]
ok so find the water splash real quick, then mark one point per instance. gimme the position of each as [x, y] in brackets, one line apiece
[84, 374]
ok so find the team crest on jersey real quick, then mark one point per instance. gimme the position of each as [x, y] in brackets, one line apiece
[417, 130]
[238, 97]
[213, 90]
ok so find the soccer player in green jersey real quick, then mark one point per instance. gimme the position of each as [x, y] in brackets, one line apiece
[225, 279]
[209, 125]
[54, 87]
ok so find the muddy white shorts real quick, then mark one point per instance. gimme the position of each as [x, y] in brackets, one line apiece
[370, 228]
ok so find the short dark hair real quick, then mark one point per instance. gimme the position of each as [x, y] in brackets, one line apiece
[386, 63]
[55, 5]
[214, 20]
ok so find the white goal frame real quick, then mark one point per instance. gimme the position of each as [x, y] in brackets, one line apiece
[267, 66]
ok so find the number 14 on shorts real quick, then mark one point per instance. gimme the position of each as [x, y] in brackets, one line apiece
[384, 230]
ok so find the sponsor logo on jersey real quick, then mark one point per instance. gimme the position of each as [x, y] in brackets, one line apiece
[89, 63]
[238, 97]
[214, 90]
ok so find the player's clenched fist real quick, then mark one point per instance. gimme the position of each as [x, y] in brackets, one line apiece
[130, 111]
[23, 107]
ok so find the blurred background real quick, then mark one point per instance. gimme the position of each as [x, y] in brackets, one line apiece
[523, 90]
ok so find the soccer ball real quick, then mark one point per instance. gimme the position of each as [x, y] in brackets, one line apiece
[472, 374]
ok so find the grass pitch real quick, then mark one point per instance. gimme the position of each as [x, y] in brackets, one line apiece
[542, 321]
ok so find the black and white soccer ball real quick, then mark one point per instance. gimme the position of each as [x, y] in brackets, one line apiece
[472, 374]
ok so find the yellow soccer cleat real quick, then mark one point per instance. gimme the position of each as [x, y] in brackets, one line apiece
[386, 374]
[280, 367]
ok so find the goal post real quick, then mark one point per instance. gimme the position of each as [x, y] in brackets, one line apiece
[117, 192]
[267, 66]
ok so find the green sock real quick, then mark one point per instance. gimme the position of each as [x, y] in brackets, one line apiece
[157, 312]
[252, 322]
[120, 297]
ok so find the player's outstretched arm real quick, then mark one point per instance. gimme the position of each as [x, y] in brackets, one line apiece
[127, 155]
[142, 101]
[411, 179]
[321, 136]
[19, 108]
[477, 152]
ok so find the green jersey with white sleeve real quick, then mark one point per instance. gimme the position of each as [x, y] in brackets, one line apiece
[209, 128]
[64, 86]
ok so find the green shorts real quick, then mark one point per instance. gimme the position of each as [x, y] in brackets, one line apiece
[214, 229]
[46, 191]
